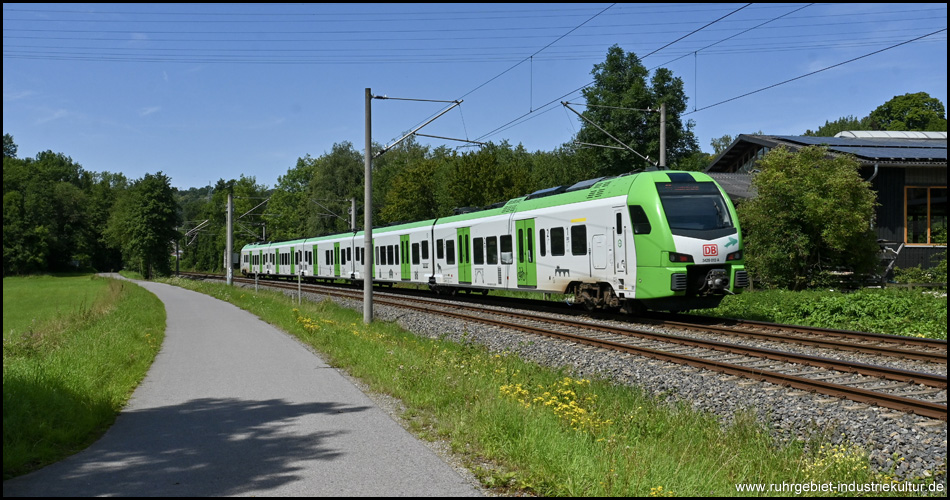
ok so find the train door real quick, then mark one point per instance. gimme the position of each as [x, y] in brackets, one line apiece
[464, 236]
[336, 260]
[314, 261]
[405, 271]
[527, 265]
[598, 252]
[620, 247]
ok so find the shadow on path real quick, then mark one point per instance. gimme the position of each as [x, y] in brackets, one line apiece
[204, 447]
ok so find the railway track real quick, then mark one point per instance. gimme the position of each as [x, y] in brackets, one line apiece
[918, 392]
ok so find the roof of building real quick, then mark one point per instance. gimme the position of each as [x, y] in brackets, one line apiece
[889, 149]
[737, 185]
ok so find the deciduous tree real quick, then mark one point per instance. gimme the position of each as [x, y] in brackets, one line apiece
[813, 214]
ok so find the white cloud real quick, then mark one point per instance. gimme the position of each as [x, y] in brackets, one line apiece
[54, 115]
[149, 110]
[16, 96]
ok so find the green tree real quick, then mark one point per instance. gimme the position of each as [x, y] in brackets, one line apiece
[910, 112]
[45, 222]
[402, 169]
[721, 144]
[9, 147]
[830, 129]
[623, 102]
[410, 195]
[337, 178]
[494, 173]
[143, 224]
[813, 214]
[289, 205]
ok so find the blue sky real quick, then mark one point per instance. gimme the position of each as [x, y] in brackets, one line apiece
[203, 92]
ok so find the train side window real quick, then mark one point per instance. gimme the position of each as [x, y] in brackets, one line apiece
[349, 254]
[507, 256]
[542, 244]
[619, 223]
[391, 254]
[557, 241]
[425, 249]
[478, 245]
[377, 256]
[579, 240]
[641, 224]
[415, 253]
[450, 251]
[530, 248]
[521, 246]
[439, 253]
[491, 248]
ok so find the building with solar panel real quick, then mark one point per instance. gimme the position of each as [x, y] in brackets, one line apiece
[908, 170]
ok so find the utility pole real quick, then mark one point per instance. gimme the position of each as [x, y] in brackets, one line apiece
[662, 165]
[368, 217]
[368, 201]
[230, 244]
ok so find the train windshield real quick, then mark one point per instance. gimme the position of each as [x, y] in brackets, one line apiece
[694, 206]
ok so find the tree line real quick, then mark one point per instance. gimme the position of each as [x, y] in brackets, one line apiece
[58, 216]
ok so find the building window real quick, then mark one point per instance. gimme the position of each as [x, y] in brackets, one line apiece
[925, 210]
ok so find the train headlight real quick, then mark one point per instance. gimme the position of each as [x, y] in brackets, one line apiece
[737, 255]
[680, 257]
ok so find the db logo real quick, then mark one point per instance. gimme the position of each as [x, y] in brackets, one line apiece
[710, 250]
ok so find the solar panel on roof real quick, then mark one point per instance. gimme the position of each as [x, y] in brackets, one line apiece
[880, 142]
[546, 192]
[584, 184]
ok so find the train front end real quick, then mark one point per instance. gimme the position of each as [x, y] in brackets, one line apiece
[688, 241]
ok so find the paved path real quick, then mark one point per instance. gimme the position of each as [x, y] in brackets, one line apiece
[234, 407]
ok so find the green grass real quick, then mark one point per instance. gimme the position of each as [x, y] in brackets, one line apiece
[36, 298]
[74, 348]
[529, 429]
[893, 311]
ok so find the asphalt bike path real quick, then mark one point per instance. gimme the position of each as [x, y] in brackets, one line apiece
[234, 407]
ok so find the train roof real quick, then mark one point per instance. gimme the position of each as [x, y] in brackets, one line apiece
[587, 190]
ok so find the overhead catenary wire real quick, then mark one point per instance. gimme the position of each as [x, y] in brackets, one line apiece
[589, 84]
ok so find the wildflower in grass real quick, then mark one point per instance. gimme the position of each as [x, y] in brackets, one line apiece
[838, 461]
[658, 491]
[563, 400]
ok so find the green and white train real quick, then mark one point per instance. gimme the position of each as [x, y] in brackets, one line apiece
[659, 240]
